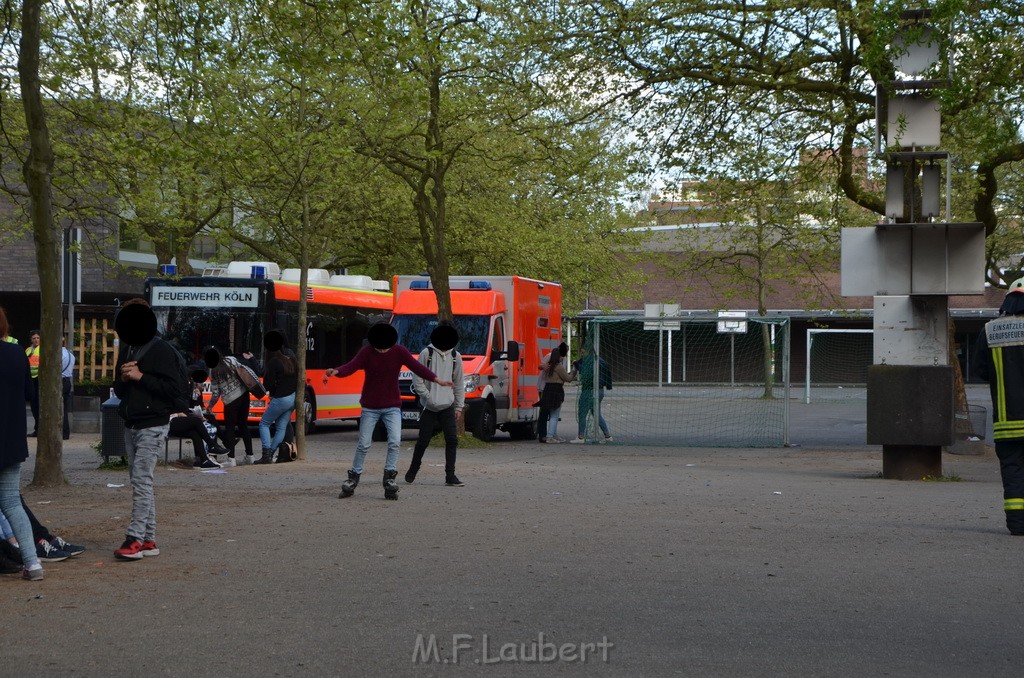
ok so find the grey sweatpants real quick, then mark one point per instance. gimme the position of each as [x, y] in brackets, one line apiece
[144, 447]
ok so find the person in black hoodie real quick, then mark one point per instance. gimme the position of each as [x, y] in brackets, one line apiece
[150, 386]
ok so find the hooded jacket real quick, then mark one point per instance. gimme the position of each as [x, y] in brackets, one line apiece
[150, 401]
[446, 365]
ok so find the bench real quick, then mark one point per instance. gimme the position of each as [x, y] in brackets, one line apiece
[167, 445]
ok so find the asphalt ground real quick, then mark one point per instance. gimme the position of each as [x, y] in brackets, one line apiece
[654, 561]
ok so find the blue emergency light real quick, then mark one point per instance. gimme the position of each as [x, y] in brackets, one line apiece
[258, 273]
[419, 285]
[168, 269]
[479, 285]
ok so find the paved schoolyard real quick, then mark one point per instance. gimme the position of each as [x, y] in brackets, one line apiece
[645, 561]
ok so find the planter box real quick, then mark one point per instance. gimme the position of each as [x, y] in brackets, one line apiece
[85, 414]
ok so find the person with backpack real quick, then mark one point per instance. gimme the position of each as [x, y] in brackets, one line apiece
[151, 384]
[442, 405]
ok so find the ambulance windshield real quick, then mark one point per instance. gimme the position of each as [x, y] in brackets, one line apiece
[414, 332]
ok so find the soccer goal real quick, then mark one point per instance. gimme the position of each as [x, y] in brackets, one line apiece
[694, 381]
[837, 364]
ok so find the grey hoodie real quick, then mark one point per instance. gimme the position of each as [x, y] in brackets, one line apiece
[446, 365]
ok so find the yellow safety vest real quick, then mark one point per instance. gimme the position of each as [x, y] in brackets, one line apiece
[33, 360]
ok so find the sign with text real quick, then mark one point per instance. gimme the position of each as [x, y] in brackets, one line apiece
[732, 322]
[222, 297]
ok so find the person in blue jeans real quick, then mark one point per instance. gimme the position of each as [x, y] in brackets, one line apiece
[15, 388]
[280, 379]
[382, 361]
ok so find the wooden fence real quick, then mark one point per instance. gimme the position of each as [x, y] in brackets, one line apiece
[95, 349]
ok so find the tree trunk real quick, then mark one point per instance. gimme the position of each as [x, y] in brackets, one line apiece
[963, 427]
[37, 171]
[300, 350]
[769, 360]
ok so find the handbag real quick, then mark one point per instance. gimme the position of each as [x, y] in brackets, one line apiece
[287, 452]
[251, 382]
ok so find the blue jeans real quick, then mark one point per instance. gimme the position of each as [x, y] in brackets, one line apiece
[553, 416]
[278, 412]
[392, 417]
[10, 505]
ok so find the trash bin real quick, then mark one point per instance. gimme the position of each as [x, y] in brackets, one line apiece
[112, 430]
[979, 420]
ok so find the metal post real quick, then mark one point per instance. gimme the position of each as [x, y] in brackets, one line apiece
[661, 357]
[669, 356]
[596, 383]
[732, 359]
[807, 366]
[684, 353]
[785, 381]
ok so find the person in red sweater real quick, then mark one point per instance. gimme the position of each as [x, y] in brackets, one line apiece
[382, 360]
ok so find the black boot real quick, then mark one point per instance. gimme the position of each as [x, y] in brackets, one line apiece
[349, 486]
[410, 475]
[267, 458]
[390, 486]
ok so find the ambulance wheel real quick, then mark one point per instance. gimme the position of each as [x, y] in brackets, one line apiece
[309, 412]
[484, 425]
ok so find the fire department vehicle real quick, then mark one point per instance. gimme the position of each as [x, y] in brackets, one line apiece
[506, 324]
[232, 308]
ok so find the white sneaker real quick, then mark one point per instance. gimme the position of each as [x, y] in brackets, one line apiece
[576, 441]
[228, 463]
[248, 459]
[608, 439]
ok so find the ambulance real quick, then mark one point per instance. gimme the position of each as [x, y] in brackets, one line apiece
[506, 324]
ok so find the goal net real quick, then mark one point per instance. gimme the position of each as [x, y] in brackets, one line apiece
[695, 381]
[836, 367]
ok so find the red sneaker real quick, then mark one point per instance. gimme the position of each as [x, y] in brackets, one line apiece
[131, 549]
[149, 548]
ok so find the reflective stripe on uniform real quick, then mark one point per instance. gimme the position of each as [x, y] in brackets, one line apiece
[1015, 504]
[997, 363]
[1008, 430]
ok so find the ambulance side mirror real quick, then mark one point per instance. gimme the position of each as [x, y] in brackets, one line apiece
[511, 352]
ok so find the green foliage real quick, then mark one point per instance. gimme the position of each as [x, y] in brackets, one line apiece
[382, 137]
[705, 80]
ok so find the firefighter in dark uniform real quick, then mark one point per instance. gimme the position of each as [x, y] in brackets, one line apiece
[1000, 360]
